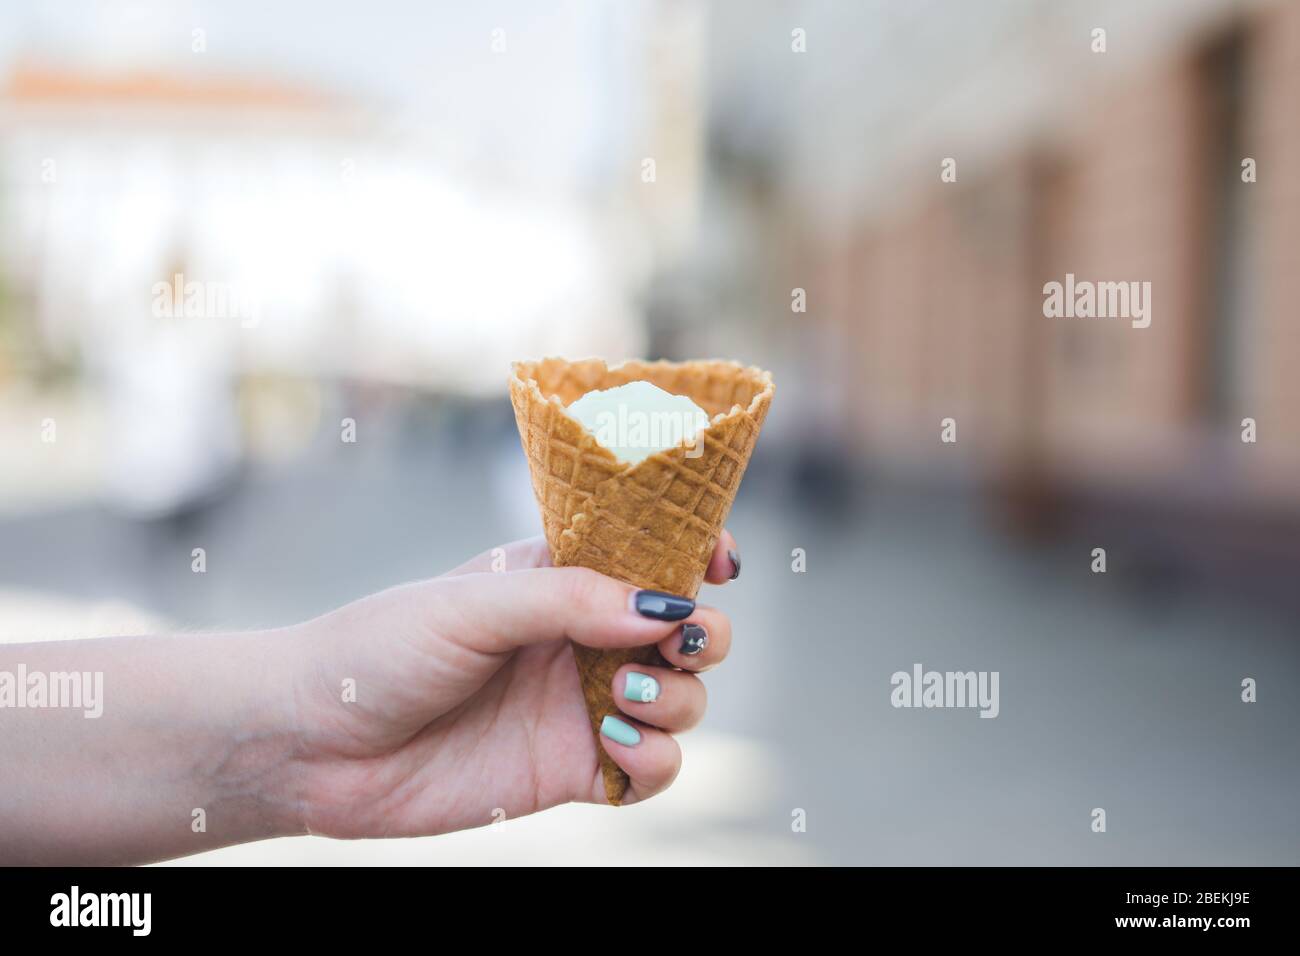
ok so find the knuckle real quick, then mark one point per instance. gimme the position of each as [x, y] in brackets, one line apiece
[582, 587]
[693, 712]
[675, 767]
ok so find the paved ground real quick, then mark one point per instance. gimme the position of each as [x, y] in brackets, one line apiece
[1110, 696]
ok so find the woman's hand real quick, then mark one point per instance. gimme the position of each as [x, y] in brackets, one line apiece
[439, 705]
[427, 708]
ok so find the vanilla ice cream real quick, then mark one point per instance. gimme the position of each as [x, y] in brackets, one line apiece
[636, 420]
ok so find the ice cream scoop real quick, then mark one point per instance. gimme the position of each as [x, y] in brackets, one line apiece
[638, 419]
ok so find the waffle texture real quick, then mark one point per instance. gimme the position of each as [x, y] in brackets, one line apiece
[652, 524]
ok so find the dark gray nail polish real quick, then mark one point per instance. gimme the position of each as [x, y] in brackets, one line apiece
[694, 639]
[661, 606]
[735, 563]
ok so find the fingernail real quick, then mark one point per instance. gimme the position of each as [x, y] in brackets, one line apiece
[694, 639]
[619, 732]
[735, 563]
[641, 687]
[661, 606]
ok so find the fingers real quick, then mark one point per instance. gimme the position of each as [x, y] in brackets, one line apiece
[515, 556]
[700, 642]
[495, 613]
[650, 758]
[724, 566]
[670, 700]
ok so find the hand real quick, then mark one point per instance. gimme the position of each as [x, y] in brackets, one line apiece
[467, 700]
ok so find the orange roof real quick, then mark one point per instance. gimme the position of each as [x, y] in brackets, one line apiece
[30, 84]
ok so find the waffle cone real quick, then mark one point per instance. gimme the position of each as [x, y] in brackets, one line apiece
[652, 524]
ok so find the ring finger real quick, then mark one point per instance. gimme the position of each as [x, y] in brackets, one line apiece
[672, 700]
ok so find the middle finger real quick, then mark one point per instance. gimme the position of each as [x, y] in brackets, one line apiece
[700, 642]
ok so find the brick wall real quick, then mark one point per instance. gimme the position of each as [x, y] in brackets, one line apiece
[1127, 207]
[934, 303]
[942, 299]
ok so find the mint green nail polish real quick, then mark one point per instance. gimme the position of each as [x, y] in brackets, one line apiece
[619, 732]
[641, 687]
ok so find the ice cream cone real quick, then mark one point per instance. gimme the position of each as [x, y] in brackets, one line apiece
[652, 524]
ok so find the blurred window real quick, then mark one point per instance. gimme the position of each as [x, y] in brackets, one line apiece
[1228, 324]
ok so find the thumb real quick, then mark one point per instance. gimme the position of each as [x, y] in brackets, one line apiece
[495, 613]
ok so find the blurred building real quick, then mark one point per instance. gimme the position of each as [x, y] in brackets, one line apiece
[360, 253]
[1123, 165]
[193, 260]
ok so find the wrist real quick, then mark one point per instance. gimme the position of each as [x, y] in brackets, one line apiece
[256, 772]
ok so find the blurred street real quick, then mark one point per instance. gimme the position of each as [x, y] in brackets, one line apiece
[1111, 695]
